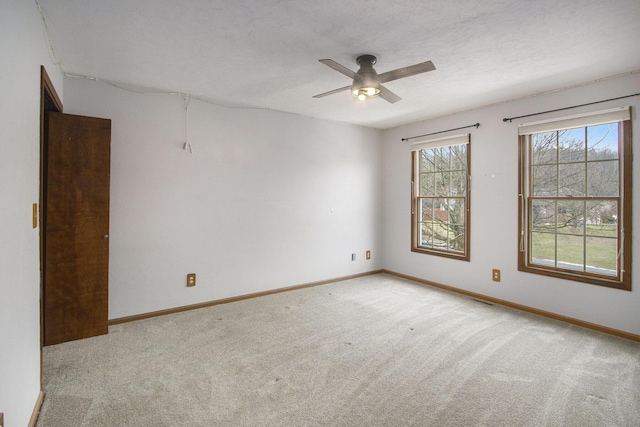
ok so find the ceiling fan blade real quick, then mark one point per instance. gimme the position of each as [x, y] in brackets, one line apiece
[411, 70]
[387, 95]
[331, 92]
[339, 68]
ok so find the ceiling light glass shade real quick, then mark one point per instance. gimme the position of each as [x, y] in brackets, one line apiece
[365, 85]
[366, 92]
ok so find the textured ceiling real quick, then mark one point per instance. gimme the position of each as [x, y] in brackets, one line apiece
[264, 54]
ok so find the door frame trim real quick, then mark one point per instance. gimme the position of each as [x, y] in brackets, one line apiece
[49, 101]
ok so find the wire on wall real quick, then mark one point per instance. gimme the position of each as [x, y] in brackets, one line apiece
[52, 50]
[442, 131]
[187, 144]
[509, 119]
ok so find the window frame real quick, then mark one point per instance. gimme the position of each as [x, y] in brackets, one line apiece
[415, 197]
[622, 280]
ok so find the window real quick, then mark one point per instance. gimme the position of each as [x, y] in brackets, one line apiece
[575, 198]
[440, 197]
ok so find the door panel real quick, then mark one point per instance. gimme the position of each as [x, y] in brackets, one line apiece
[76, 290]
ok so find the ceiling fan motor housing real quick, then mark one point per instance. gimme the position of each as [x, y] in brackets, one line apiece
[365, 82]
[363, 60]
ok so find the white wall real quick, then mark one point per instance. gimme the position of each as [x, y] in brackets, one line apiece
[266, 200]
[22, 51]
[494, 204]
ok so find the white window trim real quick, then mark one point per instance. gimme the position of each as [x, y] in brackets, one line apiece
[613, 115]
[446, 141]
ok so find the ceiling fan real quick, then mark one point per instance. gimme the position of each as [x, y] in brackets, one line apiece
[367, 83]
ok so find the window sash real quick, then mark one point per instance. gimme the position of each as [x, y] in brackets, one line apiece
[563, 263]
[622, 278]
[442, 223]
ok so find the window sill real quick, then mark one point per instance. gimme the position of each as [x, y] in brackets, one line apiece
[451, 255]
[577, 277]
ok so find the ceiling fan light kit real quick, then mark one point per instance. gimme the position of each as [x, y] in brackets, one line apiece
[367, 83]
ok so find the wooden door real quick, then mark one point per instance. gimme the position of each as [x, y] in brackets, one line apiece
[76, 227]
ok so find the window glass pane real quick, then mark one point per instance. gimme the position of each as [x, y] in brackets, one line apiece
[572, 180]
[602, 142]
[601, 255]
[456, 237]
[441, 220]
[438, 183]
[602, 218]
[602, 178]
[545, 180]
[442, 158]
[455, 211]
[439, 210]
[571, 217]
[458, 183]
[427, 161]
[426, 234]
[426, 210]
[571, 145]
[442, 184]
[543, 216]
[570, 238]
[458, 157]
[439, 237]
[544, 148]
[543, 249]
[427, 184]
[570, 252]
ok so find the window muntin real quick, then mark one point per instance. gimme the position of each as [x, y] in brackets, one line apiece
[575, 211]
[440, 202]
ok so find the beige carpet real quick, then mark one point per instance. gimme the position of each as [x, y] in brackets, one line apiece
[373, 351]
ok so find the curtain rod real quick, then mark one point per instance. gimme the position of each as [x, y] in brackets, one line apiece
[442, 131]
[508, 119]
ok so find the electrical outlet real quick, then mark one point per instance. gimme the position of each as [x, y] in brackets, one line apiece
[34, 220]
[191, 279]
[368, 255]
[353, 257]
[495, 274]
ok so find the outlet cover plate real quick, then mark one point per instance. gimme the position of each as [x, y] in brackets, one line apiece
[191, 279]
